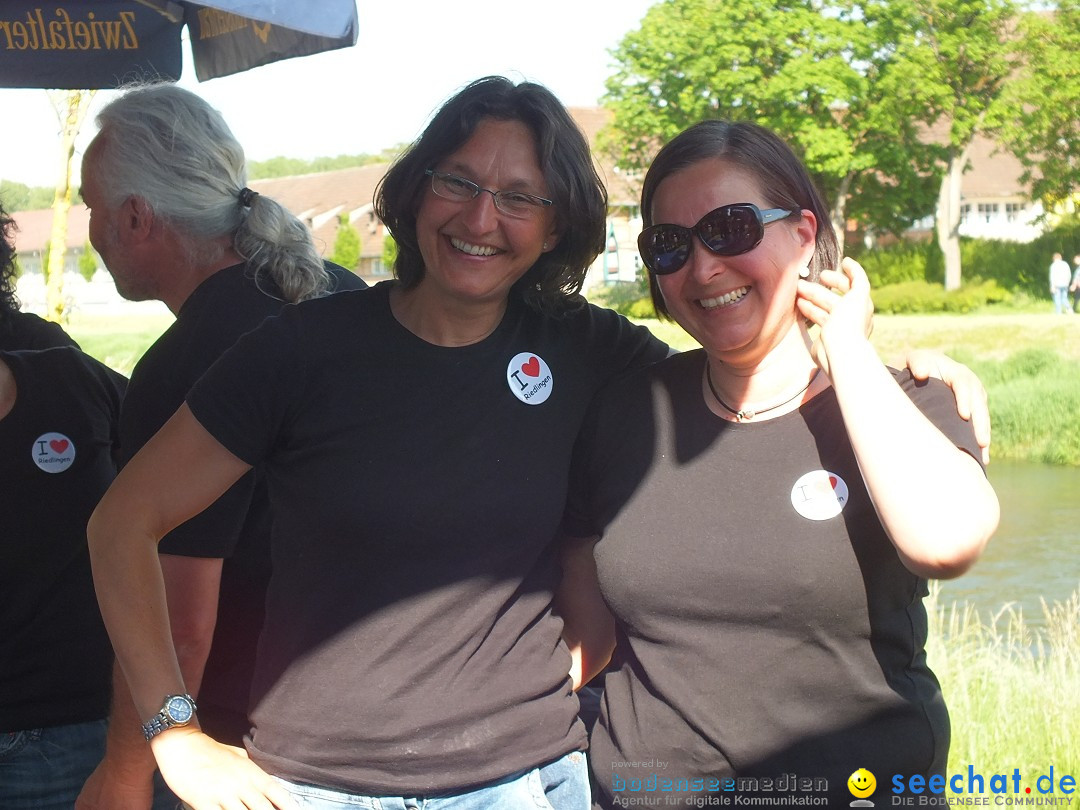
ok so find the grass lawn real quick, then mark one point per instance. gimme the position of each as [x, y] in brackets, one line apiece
[118, 341]
[987, 337]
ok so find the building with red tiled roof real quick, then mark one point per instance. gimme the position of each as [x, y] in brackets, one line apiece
[321, 200]
[34, 230]
[993, 202]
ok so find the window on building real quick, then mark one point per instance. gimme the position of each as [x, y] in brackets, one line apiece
[965, 213]
[1014, 212]
[988, 212]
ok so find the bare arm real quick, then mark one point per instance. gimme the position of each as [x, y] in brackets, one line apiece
[192, 587]
[179, 472]
[932, 498]
[588, 627]
[124, 778]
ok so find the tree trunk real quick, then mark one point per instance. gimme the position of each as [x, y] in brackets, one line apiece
[948, 217]
[838, 211]
[71, 108]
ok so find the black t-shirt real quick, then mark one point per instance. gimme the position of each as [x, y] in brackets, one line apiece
[25, 330]
[409, 646]
[220, 310]
[58, 443]
[765, 623]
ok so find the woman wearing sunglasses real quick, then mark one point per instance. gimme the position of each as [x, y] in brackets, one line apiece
[769, 508]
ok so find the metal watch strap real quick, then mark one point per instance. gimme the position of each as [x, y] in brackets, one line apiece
[161, 721]
[154, 726]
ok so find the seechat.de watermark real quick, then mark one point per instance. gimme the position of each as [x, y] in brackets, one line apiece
[970, 788]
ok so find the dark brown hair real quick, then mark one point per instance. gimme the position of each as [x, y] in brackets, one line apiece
[760, 153]
[552, 284]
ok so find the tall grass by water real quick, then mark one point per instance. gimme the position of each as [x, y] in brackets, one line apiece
[1030, 365]
[1013, 689]
[1034, 405]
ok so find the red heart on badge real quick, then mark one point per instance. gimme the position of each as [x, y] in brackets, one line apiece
[532, 368]
[58, 445]
[832, 481]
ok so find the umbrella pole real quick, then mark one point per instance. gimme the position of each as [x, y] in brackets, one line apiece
[71, 108]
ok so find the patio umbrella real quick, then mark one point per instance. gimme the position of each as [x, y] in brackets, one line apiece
[84, 44]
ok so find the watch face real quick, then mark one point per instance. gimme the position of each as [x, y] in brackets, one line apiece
[179, 709]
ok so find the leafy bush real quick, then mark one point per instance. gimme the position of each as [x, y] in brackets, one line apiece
[389, 254]
[88, 261]
[895, 264]
[1015, 266]
[346, 244]
[921, 296]
[641, 308]
[625, 296]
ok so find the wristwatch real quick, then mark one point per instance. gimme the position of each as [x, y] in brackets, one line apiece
[177, 710]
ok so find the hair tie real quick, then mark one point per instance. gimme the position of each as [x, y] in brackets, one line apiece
[247, 196]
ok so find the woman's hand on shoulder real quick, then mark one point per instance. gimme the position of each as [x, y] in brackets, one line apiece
[972, 402]
[839, 302]
[208, 775]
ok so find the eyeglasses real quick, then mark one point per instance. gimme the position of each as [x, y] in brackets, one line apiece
[726, 231]
[515, 204]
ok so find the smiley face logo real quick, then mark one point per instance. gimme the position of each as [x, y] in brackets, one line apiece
[861, 783]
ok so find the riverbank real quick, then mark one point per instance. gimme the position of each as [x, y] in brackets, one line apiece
[1029, 363]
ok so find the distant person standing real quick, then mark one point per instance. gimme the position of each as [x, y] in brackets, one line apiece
[1060, 274]
[1074, 288]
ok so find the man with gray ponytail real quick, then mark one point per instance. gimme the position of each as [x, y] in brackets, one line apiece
[173, 219]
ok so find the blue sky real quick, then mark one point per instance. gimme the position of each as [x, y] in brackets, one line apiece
[410, 56]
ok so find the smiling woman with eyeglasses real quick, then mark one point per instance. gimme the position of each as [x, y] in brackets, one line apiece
[768, 508]
[416, 439]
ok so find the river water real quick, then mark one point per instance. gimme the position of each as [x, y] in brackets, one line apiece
[1036, 551]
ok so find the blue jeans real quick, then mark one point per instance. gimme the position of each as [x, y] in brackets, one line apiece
[1061, 300]
[44, 768]
[560, 785]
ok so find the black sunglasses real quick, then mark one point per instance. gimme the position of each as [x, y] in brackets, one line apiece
[726, 231]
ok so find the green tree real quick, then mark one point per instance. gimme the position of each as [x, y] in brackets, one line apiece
[952, 57]
[813, 75]
[1038, 118]
[346, 244]
[88, 263]
[287, 167]
[20, 197]
[389, 253]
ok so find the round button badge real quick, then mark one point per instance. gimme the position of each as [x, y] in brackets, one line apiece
[529, 378]
[53, 452]
[819, 495]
